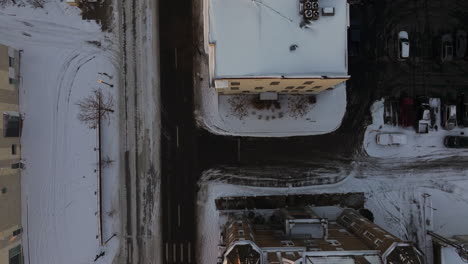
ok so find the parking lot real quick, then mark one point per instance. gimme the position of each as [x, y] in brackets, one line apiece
[425, 72]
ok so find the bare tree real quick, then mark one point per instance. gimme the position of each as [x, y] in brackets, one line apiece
[299, 105]
[106, 162]
[239, 105]
[95, 107]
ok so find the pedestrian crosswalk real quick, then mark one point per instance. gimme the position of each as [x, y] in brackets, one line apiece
[178, 253]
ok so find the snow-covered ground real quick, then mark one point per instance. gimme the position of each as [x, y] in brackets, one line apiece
[428, 146]
[324, 116]
[406, 204]
[60, 65]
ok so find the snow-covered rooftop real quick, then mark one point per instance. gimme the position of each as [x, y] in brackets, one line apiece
[253, 38]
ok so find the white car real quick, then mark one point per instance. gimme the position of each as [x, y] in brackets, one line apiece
[403, 45]
[389, 139]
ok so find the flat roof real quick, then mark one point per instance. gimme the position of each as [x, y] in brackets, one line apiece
[253, 38]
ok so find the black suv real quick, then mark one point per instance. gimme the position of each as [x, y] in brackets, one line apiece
[456, 142]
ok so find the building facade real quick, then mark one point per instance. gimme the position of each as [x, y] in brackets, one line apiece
[300, 236]
[10, 177]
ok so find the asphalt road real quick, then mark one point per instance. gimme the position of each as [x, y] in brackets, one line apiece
[187, 151]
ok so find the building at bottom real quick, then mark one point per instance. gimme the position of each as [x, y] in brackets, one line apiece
[10, 181]
[300, 236]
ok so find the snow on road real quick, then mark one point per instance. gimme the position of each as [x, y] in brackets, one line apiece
[406, 204]
[60, 65]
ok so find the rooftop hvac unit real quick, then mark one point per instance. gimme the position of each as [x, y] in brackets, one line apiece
[309, 9]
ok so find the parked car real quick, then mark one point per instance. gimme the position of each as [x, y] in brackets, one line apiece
[407, 113]
[403, 45]
[391, 113]
[447, 48]
[463, 110]
[460, 43]
[449, 116]
[456, 142]
[389, 139]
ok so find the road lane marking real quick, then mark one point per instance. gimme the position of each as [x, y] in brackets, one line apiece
[178, 215]
[174, 252]
[189, 255]
[177, 135]
[181, 252]
[167, 252]
[175, 57]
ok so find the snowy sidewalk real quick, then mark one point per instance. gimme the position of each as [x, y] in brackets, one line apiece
[59, 66]
[220, 114]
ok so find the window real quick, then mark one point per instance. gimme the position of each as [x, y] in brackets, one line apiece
[245, 91]
[11, 123]
[346, 219]
[287, 243]
[234, 88]
[369, 235]
[17, 232]
[295, 91]
[300, 87]
[13, 149]
[271, 91]
[284, 91]
[239, 224]
[331, 88]
[289, 87]
[11, 81]
[274, 83]
[11, 61]
[14, 255]
[258, 88]
[377, 242]
[235, 83]
[240, 232]
[318, 86]
[308, 82]
[309, 90]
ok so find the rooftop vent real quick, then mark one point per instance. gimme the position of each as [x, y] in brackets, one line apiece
[309, 9]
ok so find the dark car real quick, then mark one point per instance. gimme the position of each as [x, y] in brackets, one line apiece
[407, 112]
[463, 109]
[456, 142]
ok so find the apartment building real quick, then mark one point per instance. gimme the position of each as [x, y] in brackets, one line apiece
[300, 236]
[273, 46]
[10, 178]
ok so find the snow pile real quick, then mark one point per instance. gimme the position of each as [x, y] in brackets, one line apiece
[60, 64]
[428, 146]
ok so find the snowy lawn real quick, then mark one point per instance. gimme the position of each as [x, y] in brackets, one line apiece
[60, 65]
[405, 204]
[428, 146]
[322, 117]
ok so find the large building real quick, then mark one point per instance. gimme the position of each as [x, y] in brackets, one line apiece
[300, 236]
[258, 46]
[10, 181]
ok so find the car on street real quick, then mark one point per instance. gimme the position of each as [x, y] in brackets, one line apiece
[460, 44]
[449, 116]
[447, 48]
[391, 139]
[407, 112]
[403, 45]
[456, 142]
[463, 110]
